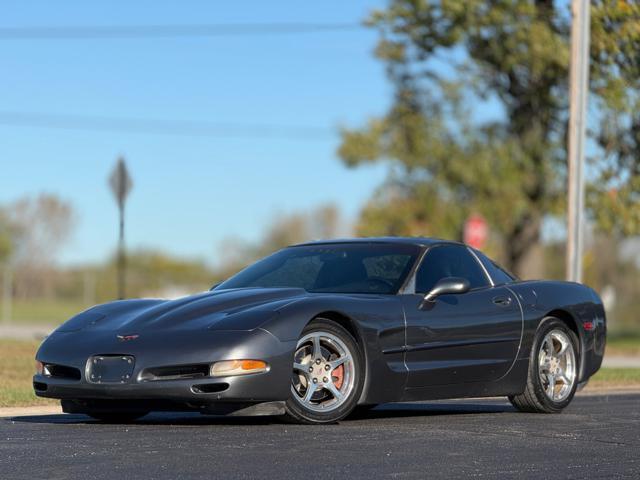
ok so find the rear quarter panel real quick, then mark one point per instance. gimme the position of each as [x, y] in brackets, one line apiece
[577, 305]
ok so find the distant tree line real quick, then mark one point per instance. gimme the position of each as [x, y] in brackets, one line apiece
[33, 230]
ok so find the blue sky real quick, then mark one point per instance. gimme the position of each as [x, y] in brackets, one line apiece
[191, 192]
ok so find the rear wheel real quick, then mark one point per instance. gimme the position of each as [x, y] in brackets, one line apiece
[553, 370]
[327, 375]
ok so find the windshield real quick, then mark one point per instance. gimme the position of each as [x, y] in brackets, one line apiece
[339, 268]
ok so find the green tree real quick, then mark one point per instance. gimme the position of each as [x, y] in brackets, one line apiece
[36, 229]
[42, 225]
[479, 117]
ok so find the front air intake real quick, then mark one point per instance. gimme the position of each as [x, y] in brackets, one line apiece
[175, 372]
[210, 387]
[40, 387]
[62, 371]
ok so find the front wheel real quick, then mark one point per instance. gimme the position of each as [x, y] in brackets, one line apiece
[327, 374]
[553, 370]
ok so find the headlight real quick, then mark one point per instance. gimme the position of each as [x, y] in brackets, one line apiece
[238, 367]
[41, 369]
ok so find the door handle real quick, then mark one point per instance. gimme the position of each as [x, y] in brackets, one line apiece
[502, 301]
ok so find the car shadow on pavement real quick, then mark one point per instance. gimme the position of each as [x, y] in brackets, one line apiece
[159, 418]
[386, 411]
[425, 409]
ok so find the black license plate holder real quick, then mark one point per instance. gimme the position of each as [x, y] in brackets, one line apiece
[110, 368]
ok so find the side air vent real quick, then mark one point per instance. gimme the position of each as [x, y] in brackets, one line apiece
[175, 372]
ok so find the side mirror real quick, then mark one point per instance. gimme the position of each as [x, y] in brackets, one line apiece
[447, 285]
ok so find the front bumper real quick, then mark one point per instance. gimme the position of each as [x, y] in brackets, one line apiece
[181, 348]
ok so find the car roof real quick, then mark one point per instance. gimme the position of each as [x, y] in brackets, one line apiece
[419, 241]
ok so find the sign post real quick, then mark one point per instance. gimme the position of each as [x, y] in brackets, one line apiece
[121, 184]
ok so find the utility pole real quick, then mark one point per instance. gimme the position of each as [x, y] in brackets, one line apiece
[121, 184]
[579, 89]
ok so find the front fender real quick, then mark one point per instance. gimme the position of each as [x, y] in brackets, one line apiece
[379, 324]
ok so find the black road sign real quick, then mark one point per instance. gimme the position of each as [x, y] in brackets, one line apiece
[121, 185]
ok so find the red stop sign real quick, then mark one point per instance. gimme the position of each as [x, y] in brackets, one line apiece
[475, 231]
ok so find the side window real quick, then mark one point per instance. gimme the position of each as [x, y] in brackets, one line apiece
[387, 267]
[449, 261]
[499, 275]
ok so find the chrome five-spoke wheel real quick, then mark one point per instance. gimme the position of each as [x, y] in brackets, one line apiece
[553, 368]
[323, 372]
[326, 379]
[557, 365]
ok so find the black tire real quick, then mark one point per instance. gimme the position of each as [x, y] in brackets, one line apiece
[116, 417]
[534, 399]
[296, 412]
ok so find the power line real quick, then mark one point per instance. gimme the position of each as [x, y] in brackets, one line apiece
[167, 31]
[163, 127]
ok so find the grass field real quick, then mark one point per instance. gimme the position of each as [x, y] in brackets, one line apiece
[16, 370]
[17, 367]
[623, 344]
[48, 312]
[616, 377]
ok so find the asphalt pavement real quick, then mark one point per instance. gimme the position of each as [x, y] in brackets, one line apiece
[598, 436]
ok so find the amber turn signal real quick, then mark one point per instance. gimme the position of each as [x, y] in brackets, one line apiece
[237, 367]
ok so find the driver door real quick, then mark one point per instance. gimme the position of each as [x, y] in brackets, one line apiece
[459, 338]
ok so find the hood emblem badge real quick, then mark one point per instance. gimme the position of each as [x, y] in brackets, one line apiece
[126, 338]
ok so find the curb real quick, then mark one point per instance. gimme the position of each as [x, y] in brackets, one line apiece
[30, 411]
[614, 390]
[621, 361]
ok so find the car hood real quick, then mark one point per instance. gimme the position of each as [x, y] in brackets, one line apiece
[238, 309]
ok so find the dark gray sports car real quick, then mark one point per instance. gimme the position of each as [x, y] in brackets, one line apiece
[315, 330]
